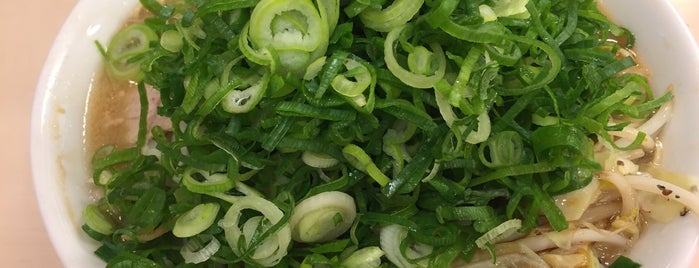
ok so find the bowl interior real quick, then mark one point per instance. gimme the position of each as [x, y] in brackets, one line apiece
[62, 179]
[58, 158]
[668, 49]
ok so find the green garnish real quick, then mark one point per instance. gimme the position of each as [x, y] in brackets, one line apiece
[624, 262]
[445, 122]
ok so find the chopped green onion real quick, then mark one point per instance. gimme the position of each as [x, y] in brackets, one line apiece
[395, 15]
[193, 252]
[391, 238]
[368, 257]
[318, 160]
[322, 102]
[127, 259]
[322, 217]
[96, 220]
[624, 262]
[418, 80]
[206, 183]
[126, 47]
[171, 41]
[295, 30]
[506, 8]
[273, 246]
[196, 220]
[502, 231]
[242, 101]
[344, 86]
[360, 160]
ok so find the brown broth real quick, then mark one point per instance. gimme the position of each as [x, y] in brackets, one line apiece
[112, 114]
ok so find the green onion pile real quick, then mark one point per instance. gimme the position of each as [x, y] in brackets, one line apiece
[357, 133]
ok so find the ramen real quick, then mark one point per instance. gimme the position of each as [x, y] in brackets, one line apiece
[412, 133]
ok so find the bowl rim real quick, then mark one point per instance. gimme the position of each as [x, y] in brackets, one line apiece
[45, 127]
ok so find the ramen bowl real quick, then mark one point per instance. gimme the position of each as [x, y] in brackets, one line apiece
[60, 162]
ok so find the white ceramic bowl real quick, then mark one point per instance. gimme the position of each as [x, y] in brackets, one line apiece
[61, 176]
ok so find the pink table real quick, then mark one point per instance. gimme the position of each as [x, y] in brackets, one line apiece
[28, 28]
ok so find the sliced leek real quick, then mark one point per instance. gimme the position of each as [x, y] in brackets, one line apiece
[242, 101]
[318, 160]
[97, 221]
[391, 237]
[194, 252]
[295, 30]
[310, 128]
[127, 44]
[322, 217]
[368, 257]
[205, 182]
[358, 158]
[196, 220]
[395, 15]
[474, 137]
[423, 78]
[271, 250]
[502, 231]
[346, 87]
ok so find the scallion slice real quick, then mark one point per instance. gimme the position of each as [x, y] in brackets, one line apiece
[196, 220]
[126, 47]
[322, 217]
[194, 252]
[275, 244]
[206, 183]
